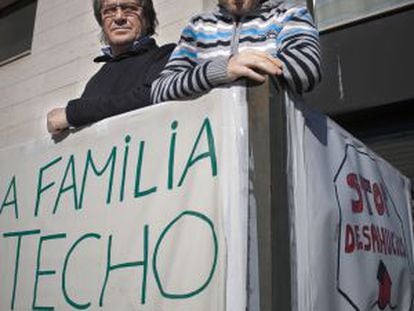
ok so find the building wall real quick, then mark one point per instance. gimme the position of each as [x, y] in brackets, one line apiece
[66, 39]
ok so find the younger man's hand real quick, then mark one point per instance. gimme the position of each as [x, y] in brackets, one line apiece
[254, 65]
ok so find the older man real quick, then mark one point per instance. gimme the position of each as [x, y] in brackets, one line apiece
[132, 61]
[242, 39]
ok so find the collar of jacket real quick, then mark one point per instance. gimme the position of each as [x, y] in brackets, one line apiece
[140, 46]
[262, 6]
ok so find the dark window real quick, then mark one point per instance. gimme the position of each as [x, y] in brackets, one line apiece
[16, 28]
[331, 13]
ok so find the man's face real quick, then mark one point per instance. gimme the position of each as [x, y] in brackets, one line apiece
[239, 7]
[122, 23]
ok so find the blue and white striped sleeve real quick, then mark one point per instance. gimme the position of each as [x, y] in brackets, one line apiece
[185, 75]
[299, 50]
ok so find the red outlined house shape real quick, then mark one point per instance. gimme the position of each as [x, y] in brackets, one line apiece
[385, 285]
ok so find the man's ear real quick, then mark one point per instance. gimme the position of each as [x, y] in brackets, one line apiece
[144, 25]
[102, 37]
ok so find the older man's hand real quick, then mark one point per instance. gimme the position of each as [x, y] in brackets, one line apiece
[254, 65]
[57, 121]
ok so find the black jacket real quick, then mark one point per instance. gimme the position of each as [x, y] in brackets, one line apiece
[122, 84]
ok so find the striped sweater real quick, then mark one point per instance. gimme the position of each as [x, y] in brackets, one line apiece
[200, 59]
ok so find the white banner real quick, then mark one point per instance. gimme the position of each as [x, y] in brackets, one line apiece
[352, 221]
[139, 212]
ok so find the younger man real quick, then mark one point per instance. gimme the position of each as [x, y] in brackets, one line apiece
[242, 39]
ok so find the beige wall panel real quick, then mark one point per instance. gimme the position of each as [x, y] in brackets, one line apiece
[209, 4]
[39, 63]
[58, 15]
[24, 133]
[171, 32]
[64, 32]
[23, 127]
[172, 11]
[44, 6]
[17, 115]
[61, 76]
